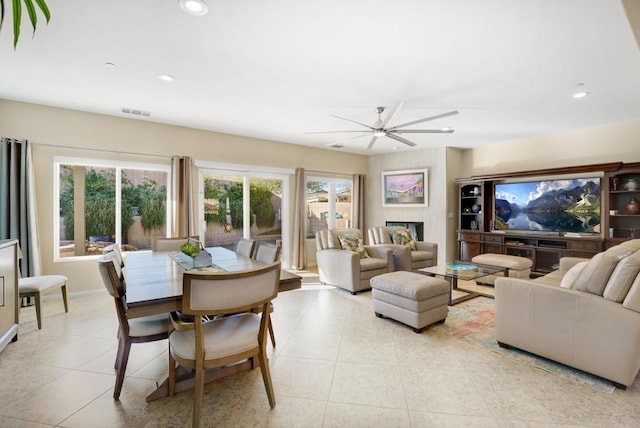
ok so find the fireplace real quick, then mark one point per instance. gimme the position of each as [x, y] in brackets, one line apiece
[416, 228]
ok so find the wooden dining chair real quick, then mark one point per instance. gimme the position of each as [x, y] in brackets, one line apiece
[169, 244]
[235, 334]
[114, 248]
[137, 330]
[245, 247]
[268, 253]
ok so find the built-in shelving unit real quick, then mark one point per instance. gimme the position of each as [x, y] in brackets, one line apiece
[623, 222]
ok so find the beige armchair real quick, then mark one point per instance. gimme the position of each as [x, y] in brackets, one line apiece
[346, 269]
[405, 258]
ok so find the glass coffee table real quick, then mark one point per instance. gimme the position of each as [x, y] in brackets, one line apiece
[452, 272]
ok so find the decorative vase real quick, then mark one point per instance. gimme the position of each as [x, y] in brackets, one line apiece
[632, 207]
[632, 184]
[476, 208]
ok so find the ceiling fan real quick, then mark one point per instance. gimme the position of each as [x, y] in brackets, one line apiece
[381, 127]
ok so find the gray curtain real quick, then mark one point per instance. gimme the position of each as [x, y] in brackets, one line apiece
[299, 221]
[357, 202]
[183, 218]
[18, 205]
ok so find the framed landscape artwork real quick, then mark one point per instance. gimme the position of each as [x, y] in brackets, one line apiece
[406, 188]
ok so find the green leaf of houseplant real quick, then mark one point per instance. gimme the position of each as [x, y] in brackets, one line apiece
[31, 10]
[17, 18]
[45, 9]
[17, 15]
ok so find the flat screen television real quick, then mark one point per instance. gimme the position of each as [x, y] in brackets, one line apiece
[562, 206]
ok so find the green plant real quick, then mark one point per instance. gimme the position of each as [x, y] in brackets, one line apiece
[190, 250]
[17, 15]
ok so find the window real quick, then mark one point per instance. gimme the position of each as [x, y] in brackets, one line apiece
[328, 204]
[244, 202]
[100, 203]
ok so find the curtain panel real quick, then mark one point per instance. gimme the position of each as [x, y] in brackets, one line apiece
[18, 205]
[183, 208]
[299, 219]
[357, 202]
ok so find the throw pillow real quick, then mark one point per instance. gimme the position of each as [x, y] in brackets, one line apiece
[353, 242]
[622, 277]
[402, 237]
[570, 277]
[594, 276]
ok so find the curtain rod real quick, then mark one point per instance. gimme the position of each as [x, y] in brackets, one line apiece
[91, 149]
[307, 171]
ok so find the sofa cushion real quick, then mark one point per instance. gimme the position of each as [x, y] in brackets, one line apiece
[570, 277]
[632, 300]
[372, 263]
[622, 277]
[353, 242]
[403, 237]
[594, 276]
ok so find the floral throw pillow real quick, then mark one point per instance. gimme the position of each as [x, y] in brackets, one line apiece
[353, 242]
[402, 237]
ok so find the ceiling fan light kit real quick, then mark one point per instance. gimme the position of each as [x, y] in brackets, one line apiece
[381, 127]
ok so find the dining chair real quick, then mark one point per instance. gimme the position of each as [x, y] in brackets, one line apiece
[245, 247]
[34, 286]
[169, 244]
[268, 253]
[114, 248]
[136, 330]
[235, 334]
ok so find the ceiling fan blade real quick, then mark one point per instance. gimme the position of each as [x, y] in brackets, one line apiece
[397, 106]
[426, 119]
[373, 141]
[422, 131]
[336, 132]
[353, 121]
[402, 140]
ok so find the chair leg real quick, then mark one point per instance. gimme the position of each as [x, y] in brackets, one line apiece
[38, 310]
[122, 367]
[172, 375]
[266, 377]
[271, 334]
[64, 298]
[197, 395]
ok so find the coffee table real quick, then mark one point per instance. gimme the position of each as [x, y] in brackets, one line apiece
[465, 271]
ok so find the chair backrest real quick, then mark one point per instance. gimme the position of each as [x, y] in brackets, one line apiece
[267, 253]
[229, 292]
[245, 247]
[111, 274]
[170, 244]
[114, 248]
[382, 235]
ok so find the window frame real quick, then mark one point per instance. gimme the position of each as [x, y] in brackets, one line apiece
[101, 163]
[331, 197]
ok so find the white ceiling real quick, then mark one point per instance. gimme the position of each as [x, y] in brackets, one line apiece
[278, 69]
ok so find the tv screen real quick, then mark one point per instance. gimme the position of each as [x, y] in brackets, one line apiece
[571, 205]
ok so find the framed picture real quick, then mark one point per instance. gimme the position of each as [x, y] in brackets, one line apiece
[406, 188]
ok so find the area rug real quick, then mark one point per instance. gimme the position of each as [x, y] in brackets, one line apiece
[473, 321]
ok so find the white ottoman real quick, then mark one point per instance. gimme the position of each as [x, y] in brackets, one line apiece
[411, 298]
[515, 266]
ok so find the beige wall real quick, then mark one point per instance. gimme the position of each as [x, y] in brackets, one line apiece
[618, 142]
[62, 127]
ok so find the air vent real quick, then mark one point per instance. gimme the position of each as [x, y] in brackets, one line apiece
[336, 146]
[135, 112]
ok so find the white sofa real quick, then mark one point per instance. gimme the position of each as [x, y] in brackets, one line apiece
[585, 315]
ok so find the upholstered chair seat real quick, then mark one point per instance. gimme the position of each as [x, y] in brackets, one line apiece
[34, 286]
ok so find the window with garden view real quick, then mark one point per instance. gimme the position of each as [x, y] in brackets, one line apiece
[225, 201]
[328, 204]
[102, 205]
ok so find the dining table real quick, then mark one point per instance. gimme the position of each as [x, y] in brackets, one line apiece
[154, 286]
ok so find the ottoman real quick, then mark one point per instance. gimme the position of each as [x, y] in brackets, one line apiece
[515, 266]
[411, 298]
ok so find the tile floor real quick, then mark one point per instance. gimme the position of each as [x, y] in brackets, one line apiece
[335, 365]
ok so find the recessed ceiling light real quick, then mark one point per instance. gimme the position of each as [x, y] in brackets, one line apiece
[446, 128]
[110, 65]
[166, 77]
[580, 91]
[194, 7]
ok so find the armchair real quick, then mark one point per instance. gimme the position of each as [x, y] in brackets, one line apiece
[346, 269]
[405, 258]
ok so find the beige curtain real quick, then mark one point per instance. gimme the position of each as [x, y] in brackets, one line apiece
[299, 260]
[357, 202]
[183, 203]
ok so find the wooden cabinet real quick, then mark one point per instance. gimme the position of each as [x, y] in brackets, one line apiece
[8, 292]
[622, 215]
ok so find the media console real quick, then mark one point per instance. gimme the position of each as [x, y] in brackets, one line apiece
[544, 250]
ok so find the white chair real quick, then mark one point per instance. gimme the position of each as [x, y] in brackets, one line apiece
[408, 255]
[169, 244]
[115, 248]
[34, 286]
[202, 345]
[245, 247]
[268, 253]
[137, 330]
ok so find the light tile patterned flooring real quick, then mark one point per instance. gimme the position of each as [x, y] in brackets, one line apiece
[335, 365]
